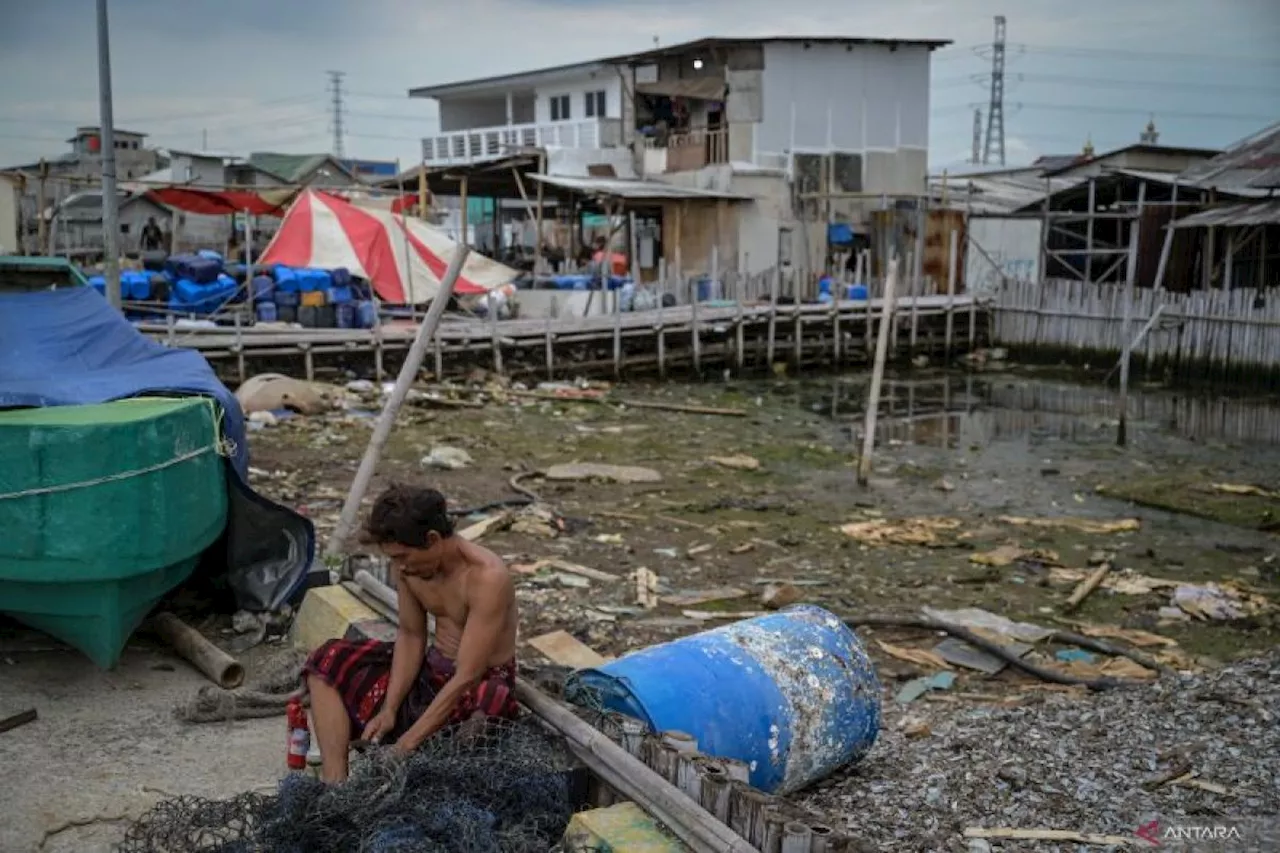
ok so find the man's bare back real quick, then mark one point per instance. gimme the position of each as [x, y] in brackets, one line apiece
[458, 588]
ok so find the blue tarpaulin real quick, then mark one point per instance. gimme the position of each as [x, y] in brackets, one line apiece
[69, 347]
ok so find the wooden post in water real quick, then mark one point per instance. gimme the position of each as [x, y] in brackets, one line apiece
[659, 331]
[877, 373]
[1130, 274]
[739, 334]
[953, 250]
[548, 343]
[775, 285]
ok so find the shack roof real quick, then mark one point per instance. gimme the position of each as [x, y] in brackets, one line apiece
[1250, 213]
[1253, 162]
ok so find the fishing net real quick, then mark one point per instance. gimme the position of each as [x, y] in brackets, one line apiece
[508, 789]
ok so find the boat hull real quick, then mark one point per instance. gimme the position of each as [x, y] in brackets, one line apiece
[105, 509]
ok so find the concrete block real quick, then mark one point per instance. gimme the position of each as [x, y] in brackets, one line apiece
[621, 828]
[332, 613]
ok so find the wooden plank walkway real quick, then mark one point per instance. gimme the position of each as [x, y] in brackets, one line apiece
[661, 338]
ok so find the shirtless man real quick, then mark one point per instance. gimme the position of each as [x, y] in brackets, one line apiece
[404, 692]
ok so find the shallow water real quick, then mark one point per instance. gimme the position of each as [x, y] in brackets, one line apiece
[963, 410]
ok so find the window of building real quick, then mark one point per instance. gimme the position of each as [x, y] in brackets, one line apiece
[124, 227]
[595, 104]
[560, 108]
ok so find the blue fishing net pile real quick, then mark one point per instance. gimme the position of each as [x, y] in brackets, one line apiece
[511, 789]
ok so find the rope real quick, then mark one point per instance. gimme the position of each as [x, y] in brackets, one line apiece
[111, 478]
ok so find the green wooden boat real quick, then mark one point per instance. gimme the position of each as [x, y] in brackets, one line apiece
[104, 509]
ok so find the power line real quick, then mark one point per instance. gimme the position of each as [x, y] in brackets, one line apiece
[1145, 56]
[1174, 86]
[335, 78]
[1129, 111]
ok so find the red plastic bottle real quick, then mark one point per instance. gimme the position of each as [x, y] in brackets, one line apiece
[299, 734]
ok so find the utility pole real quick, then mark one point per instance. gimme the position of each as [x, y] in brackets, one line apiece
[106, 132]
[977, 137]
[995, 109]
[335, 89]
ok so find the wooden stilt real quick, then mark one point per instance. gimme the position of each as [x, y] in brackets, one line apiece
[550, 349]
[877, 374]
[953, 249]
[494, 341]
[240, 368]
[739, 333]
[775, 284]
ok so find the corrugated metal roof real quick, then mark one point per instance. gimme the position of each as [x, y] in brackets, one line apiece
[619, 188]
[998, 193]
[1251, 163]
[1254, 213]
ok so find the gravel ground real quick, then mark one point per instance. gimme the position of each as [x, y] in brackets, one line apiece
[1056, 760]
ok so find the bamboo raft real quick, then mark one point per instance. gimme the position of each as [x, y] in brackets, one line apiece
[695, 335]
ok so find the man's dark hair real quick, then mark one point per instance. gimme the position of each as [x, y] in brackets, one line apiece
[406, 514]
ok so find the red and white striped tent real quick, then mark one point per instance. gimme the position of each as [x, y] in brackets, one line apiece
[404, 258]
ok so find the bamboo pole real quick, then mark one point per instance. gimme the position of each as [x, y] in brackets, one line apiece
[1130, 274]
[386, 420]
[877, 373]
[218, 666]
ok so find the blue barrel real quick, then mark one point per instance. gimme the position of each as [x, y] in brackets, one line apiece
[263, 287]
[792, 694]
[266, 312]
[344, 315]
[366, 314]
[857, 291]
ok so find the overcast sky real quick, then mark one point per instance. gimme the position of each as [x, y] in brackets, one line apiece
[250, 74]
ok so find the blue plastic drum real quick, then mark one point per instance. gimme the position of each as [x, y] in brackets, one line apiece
[792, 694]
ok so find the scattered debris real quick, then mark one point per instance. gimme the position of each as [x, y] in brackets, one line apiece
[910, 531]
[486, 525]
[1090, 526]
[779, 595]
[705, 596]
[599, 471]
[564, 566]
[917, 687]
[960, 653]
[1243, 489]
[564, 649]
[646, 588]
[447, 458]
[12, 721]
[1129, 635]
[721, 615]
[1088, 585]
[1007, 555]
[983, 621]
[920, 657]
[1218, 601]
[739, 462]
[269, 392]
[1012, 834]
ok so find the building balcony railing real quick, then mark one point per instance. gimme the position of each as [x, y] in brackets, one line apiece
[686, 151]
[491, 143]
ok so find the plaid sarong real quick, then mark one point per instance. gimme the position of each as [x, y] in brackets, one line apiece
[360, 670]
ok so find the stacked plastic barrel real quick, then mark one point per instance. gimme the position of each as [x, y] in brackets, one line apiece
[313, 298]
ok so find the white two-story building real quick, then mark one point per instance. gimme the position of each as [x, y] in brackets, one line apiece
[752, 116]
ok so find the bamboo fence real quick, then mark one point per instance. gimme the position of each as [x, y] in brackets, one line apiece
[1231, 335]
